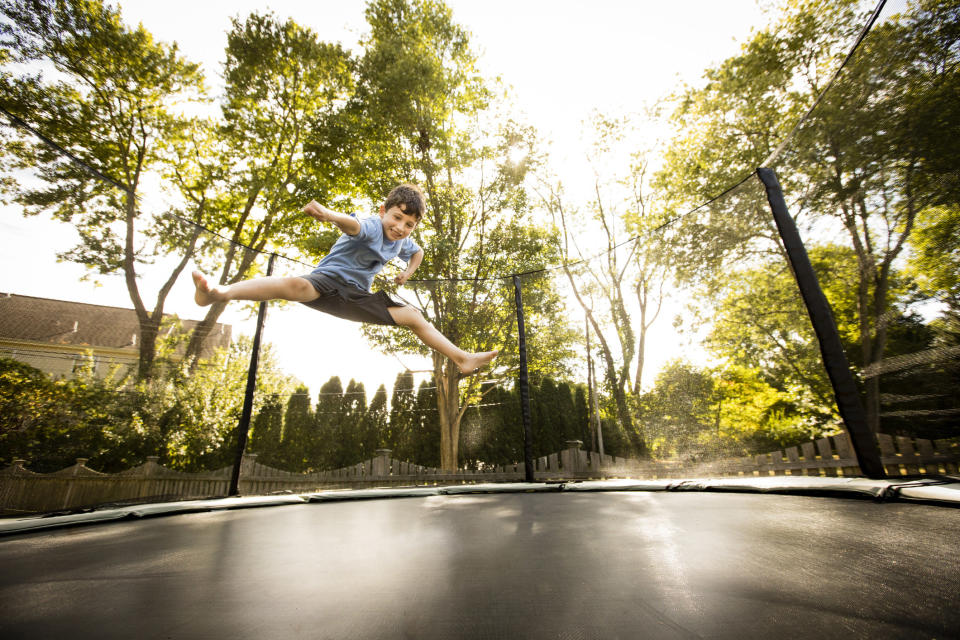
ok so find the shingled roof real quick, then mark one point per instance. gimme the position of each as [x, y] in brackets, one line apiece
[83, 325]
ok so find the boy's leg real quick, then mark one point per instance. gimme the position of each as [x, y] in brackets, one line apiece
[270, 288]
[428, 334]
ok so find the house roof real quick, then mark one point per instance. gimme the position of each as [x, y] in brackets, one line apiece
[59, 322]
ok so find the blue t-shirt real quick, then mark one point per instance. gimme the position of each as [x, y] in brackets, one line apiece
[356, 259]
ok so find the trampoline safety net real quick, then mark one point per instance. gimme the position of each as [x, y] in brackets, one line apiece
[652, 326]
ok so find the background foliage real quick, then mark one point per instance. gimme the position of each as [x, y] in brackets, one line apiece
[871, 176]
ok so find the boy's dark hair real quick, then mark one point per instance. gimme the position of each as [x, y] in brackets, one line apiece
[409, 198]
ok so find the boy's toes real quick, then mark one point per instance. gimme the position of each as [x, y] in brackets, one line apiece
[202, 295]
[477, 360]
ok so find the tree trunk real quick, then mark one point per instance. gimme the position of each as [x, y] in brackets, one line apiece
[641, 343]
[626, 420]
[448, 404]
[201, 332]
[149, 331]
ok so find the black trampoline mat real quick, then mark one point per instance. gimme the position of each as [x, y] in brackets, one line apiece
[513, 565]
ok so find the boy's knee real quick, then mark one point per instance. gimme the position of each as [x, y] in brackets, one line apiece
[301, 290]
[406, 316]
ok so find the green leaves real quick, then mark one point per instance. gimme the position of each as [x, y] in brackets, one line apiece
[416, 113]
[104, 98]
[864, 165]
[935, 260]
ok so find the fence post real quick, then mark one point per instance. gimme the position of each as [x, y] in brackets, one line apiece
[524, 385]
[150, 480]
[831, 349]
[71, 481]
[381, 463]
[243, 428]
[570, 458]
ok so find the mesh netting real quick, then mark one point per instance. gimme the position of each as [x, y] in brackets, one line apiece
[874, 190]
[664, 331]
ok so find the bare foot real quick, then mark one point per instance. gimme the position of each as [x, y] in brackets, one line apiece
[205, 294]
[474, 361]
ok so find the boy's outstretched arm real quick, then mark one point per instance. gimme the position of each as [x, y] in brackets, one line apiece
[415, 261]
[348, 224]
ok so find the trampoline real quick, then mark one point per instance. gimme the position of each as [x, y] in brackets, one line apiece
[586, 560]
[741, 557]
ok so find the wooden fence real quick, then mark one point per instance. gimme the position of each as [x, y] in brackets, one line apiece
[831, 456]
[23, 491]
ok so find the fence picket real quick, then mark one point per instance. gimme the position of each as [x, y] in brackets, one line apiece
[553, 463]
[888, 455]
[594, 461]
[826, 456]
[951, 453]
[777, 463]
[809, 459]
[793, 456]
[910, 457]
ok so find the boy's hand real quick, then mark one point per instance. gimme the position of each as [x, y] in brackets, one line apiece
[316, 210]
[348, 224]
[415, 261]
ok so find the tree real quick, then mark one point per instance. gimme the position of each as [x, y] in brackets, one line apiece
[112, 103]
[349, 430]
[423, 440]
[419, 113]
[50, 423]
[920, 377]
[864, 163]
[193, 416]
[855, 162]
[375, 427]
[324, 452]
[190, 422]
[491, 433]
[583, 429]
[751, 416]
[760, 324]
[622, 216]
[934, 262]
[402, 416]
[299, 442]
[548, 421]
[730, 125]
[677, 411]
[279, 79]
[927, 113]
[572, 427]
[266, 432]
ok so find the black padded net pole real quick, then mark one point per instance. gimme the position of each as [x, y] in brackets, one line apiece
[243, 427]
[524, 386]
[834, 358]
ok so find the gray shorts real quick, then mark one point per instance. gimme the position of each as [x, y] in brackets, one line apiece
[349, 302]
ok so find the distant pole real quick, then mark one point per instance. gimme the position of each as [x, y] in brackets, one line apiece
[243, 427]
[524, 385]
[593, 429]
[821, 317]
[595, 413]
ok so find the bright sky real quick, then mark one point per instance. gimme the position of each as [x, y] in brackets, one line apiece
[563, 58]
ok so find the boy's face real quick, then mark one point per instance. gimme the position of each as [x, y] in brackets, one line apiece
[397, 225]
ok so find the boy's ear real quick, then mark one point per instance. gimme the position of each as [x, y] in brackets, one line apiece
[382, 211]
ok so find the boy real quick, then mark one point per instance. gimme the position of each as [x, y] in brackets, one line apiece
[340, 285]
